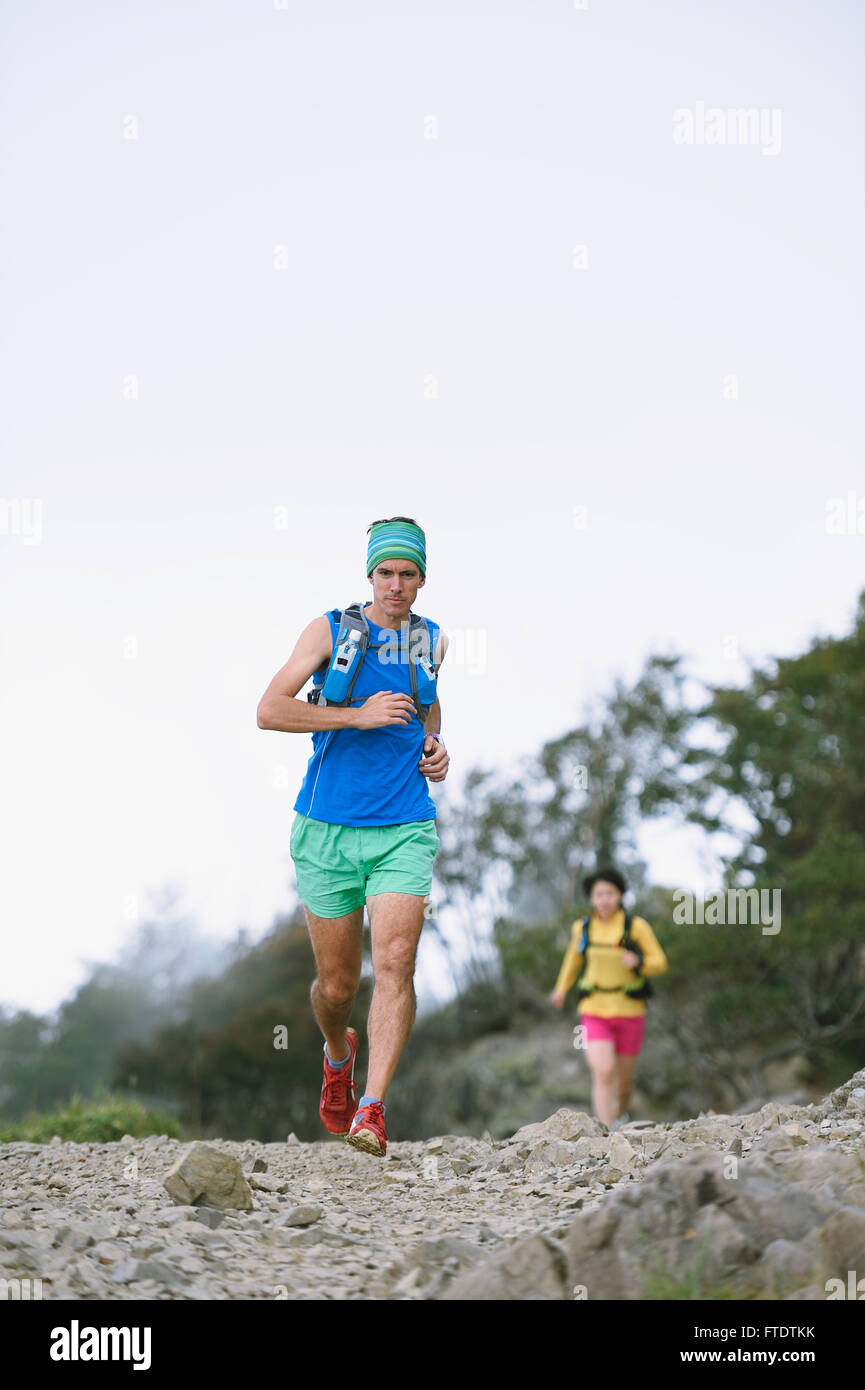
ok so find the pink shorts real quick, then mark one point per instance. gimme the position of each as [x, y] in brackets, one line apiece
[626, 1034]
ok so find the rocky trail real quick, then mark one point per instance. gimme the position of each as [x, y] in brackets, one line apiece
[763, 1205]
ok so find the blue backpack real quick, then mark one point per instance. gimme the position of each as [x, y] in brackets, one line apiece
[334, 681]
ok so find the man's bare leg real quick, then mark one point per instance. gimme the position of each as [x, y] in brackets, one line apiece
[395, 920]
[337, 944]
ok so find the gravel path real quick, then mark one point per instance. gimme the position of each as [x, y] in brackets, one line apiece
[94, 1221]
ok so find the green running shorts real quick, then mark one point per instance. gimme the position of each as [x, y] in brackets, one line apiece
[339, 866]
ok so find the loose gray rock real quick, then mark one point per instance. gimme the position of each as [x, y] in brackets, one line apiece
[300, 1216]
[205, 1176]
[564, 1124]
[209, 1217]
[622, 1155]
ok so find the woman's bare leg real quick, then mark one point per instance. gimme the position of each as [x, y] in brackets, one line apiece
[605, 1088]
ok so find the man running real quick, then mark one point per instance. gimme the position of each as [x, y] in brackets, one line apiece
[364, 829]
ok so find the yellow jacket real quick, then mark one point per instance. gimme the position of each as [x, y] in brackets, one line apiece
[605, 965]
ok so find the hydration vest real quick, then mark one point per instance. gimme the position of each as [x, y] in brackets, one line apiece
[641, 991]
[349, 647]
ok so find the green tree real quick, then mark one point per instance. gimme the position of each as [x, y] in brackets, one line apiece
[514, 852]
[791, 769]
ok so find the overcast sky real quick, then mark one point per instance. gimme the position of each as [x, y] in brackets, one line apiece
[518, 270]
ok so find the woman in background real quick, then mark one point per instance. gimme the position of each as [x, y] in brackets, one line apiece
[612, 980]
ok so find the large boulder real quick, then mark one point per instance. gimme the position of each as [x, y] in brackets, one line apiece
[529, 1269]
[707, 1225]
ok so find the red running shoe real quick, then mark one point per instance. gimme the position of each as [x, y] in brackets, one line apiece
[339, 1091]
[367, 1130]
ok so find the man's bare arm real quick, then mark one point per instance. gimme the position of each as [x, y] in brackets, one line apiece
[433, 724]
[278, 709]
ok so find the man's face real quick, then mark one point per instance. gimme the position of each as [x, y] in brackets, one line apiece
[394, 586]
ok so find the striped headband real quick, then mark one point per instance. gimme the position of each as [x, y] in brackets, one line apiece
[390, 540]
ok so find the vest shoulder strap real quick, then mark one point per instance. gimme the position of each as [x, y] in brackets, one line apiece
[627, 939]
[351, 640]
[350, 644]
[422, 656]
[625, 942]
[584, 939]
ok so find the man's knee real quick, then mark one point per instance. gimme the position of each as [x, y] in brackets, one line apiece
[337, 991]
[396, 966]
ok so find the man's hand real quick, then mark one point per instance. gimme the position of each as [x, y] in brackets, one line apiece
[435, 759]
[384, 707]
[630, 960]
[557, 998]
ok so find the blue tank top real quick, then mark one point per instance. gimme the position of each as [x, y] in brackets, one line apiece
[370, 776]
